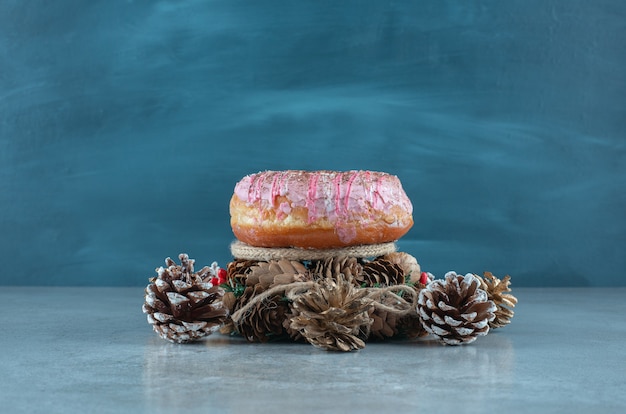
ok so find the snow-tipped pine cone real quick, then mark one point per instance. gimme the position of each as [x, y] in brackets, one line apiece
[182, 305]
[455, 310]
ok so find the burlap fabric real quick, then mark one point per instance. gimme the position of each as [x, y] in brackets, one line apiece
[241, 250]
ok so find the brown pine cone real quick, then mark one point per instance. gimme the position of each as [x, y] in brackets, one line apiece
[349, 267]
[410, 268]
[411, 327]
[505, 302]
[237, 274]
[384, 323]
[333, 315]
[387, 270]
[381, 272]
[265, 320]
[276, 272]
[455, 310]
[238, 271]
[389, 324]
[229, 301]
[182, 305]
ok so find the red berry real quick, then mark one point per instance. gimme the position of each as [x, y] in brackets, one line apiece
[214, 281]
[424, 278]
[222, 275]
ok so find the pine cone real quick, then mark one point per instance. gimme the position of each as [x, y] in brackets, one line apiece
[349, 267]
[384, 323]
[455, 310]
[410, 268]
[181, 305]
[505, 302]
[276, 272]
[384, 271]
[381, 272]
[237, 274]
[388, 324]
[265, 320]
[333, 315]
[411, 327]
[238, 271]
[229, 300]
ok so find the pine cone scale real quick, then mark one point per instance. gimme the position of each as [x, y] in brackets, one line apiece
[481, 307]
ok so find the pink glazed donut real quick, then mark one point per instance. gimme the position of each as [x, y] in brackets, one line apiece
[319, 209]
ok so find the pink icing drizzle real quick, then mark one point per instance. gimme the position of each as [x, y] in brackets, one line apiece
[274, 192]
[337, 187]
[258, 185]
[346, 199]
[376, 197]
[370, 194]
[281, 184]
[311, 197]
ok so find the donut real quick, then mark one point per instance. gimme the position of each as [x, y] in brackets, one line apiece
[319, 209]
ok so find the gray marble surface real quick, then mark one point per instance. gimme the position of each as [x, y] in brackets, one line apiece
[68, 350]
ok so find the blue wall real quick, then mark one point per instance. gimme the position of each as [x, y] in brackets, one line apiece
[125, 125]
